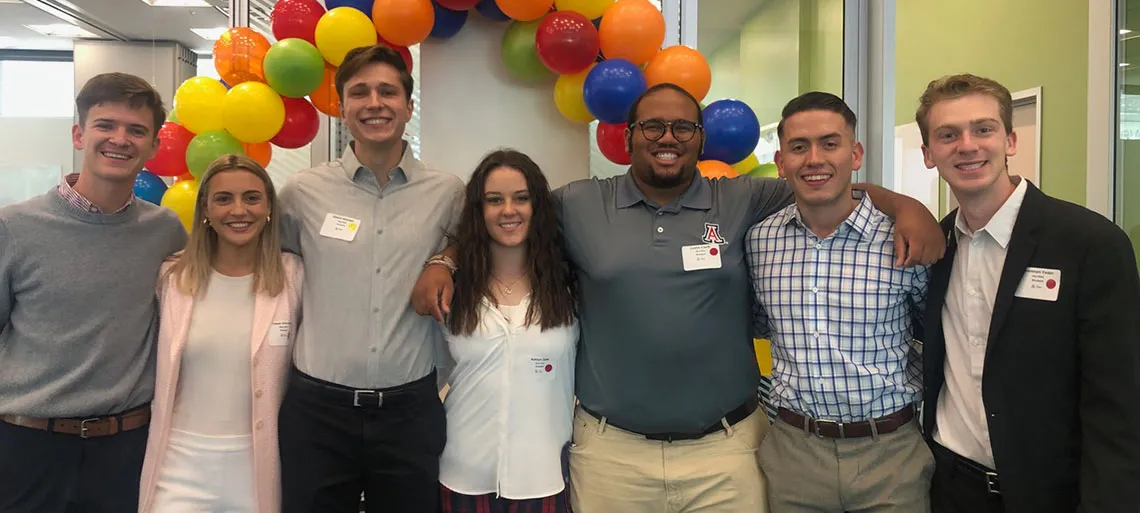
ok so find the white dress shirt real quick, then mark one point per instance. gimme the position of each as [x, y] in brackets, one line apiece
[960, 423]
[510, 406]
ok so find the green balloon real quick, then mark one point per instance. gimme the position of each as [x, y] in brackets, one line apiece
[768, 170]
[171, 117]
[206, 147]
[294, 67]
[520, 54]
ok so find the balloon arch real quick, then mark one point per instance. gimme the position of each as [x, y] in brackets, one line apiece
[598, 55]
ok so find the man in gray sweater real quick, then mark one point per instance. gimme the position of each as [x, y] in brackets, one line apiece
[78, 267]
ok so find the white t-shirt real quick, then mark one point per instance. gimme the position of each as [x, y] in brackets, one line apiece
[510, 406]
[215, 382]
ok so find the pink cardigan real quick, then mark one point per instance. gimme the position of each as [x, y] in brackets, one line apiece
[269, 373]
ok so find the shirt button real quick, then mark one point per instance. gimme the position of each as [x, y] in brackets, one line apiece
[255, 362]
[376, 309]
[660, 213]
[976, 341]
[973, 292]
[660, 229]
[378, 232]
[814, 290]
[260, 424]
[377, 270]
[819, 245]
[816, 334]
[373, 349]
[257, 393]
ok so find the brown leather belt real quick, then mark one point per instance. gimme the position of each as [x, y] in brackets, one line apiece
[861, 429]
[86, 428]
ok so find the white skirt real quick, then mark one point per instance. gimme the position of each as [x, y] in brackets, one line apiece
[206, 474]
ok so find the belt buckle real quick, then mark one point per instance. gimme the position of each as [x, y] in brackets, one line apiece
[357, 394]
[838, 425]
[83, 427]
[992, 485]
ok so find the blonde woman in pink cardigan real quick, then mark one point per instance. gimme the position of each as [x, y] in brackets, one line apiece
[228, 314]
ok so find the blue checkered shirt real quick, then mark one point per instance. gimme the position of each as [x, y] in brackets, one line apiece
[842, 318]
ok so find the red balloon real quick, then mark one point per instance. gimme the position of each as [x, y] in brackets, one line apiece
[296, 18]
[611, 140]
[567, 42]
[301, 124]
[170, 160]
[402, 50]
[458, 5]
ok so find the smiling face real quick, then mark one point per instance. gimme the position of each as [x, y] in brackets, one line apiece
[817, 155]
[969, 144]
[116, 141]
[670, 160]
[507, 207]
[237, 207]
[375, 105]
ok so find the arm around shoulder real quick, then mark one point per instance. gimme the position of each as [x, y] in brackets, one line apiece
[1109, 353]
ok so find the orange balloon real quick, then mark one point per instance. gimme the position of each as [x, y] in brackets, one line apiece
[184, 177]
[239, 56]
[716, 169]
[525, 10]
[682, 66]
[403, 22]
[633, 30]
[260, 152]
[324, 98]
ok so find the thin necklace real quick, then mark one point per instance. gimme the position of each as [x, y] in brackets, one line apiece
[507, 288]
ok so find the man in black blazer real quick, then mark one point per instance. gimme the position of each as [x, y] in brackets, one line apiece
[1032, 350]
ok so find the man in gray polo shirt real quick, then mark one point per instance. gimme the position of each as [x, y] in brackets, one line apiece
[362, 411]
[666, 371]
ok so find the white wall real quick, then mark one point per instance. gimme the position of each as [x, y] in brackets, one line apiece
[471, 106]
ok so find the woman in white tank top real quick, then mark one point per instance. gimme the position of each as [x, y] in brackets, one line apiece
[512, 336]
[228, 312]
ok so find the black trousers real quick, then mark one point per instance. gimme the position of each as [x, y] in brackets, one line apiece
[44, 472]
[336, 443]
[959, 485]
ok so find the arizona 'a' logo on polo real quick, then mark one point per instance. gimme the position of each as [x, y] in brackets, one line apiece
[712, 234]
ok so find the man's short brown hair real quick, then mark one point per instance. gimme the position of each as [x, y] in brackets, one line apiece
[120, 88]
[358, 58]
[956, 86]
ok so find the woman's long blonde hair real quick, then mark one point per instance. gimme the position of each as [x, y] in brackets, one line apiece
[193, 266]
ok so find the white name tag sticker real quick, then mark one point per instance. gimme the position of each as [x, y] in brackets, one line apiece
[279, 333]
[542, 368]
[1039, 283]
[340, 227]
[701, 256]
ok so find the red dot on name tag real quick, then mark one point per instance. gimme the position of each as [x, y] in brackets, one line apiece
[713, 251]
[549, 367]
[1049, 284]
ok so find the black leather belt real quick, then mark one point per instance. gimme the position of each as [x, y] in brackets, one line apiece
[402, 395]
[983, 475]
[736, 415]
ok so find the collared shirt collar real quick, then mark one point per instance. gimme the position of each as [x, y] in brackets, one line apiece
[402, 173]
[1000, 226]
[859, 221]
[67, 190]
[697, 196]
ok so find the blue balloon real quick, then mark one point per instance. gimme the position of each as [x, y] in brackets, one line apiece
[447, 21]
[732, 131]
[364, 6]
[149, 187]
[490, 10]
[611, 88]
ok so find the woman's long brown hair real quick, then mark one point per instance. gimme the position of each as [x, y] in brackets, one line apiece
[553, 286]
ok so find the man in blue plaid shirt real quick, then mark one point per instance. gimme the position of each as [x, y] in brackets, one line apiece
[843, 325]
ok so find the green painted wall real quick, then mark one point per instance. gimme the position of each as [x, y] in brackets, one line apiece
[1020, 43]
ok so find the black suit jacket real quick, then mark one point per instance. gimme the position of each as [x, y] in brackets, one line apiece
[1061, 379]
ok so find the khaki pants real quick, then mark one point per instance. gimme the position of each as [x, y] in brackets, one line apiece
[807, 473]
[612, 470]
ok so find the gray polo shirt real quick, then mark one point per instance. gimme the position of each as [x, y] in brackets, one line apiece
[358, 326]
[664, 349]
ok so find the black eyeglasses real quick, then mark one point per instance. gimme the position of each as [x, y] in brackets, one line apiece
[683, 130]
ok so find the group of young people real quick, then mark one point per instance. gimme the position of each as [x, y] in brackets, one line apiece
[593, 342]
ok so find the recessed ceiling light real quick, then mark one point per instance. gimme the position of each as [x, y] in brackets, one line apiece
[210, 34]
[177, 3]
[61, 30]
[1124, 65]
[1124, 31]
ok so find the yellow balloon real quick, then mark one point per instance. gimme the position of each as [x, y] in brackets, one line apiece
[568, 96]
[254, 112]
[198, 104]
[591, 9]
[341, 30]
[746, 165]
[181, 198]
